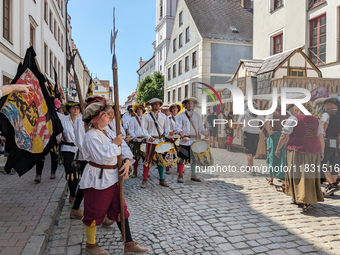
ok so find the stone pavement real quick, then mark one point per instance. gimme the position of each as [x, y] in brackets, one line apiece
[228, 213]
[28, 210]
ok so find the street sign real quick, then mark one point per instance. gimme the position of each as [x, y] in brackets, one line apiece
[65, 89]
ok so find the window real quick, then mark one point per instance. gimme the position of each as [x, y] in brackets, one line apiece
[278, 44]
[187, 35]
[45, 11]
[62, 8]
[179, 94]
[62, 42]
[180, 67]
[317, 51]
[174, 71]
[297, 73]
[169, 73]
[6, 80]
[180, 17]
[174, 95]
[51, 21]
[194, 59]
[51, 64]
[187, 63]
[313, 3]
[180, 41]
[169, 97]
[55, 29]
[160, 68]
[96, 88]
[193, 89]
[174, 45]
[186, 91]
[240, 83]
[61, 80]
[59, 36]
[160, 54]
[59, 72]
[6, 19]
[32, 35]
[277, 4]
[55, 67]
[45, 58]
[161, 10]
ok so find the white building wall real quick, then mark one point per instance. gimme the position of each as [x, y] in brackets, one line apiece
[23, 14]
[293, 19]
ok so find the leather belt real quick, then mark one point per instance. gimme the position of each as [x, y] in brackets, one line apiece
[69, 144]
[157, 137]
[102, 167]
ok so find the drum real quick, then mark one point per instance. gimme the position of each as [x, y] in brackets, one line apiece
[177, 143]
[166, 154]
[202, 154]
[143, 149]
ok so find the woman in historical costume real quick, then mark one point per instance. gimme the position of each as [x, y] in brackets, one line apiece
[304, 151]
[68, 148]
[101, 148]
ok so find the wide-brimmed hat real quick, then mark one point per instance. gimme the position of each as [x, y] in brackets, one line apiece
[165, 107]
[190, 99]
[95, 108]
[70, 104]
[129, 108]
[332, 100]
[136, 106]
[154, 100]
[179, 107]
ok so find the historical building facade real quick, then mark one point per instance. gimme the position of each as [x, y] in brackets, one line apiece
[165, 17]
[205, 46]
[316, 26]
[39, 23]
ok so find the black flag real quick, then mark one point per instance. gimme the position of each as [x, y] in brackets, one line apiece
[29, 122]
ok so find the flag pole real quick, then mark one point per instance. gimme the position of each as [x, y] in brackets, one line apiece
[117, 116]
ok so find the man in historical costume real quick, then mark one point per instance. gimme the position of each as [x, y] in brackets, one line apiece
[330, 121]
[155, 128]
[69, 148]
[126, 117]
[250, 135]
[166, 111]
[189, 126]
[174, 109]
[112, 125]
[100, 178]
[137, 136]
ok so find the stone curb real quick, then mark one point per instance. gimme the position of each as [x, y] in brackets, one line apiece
[37, 242]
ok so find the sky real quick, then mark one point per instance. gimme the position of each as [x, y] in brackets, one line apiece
[92, 22]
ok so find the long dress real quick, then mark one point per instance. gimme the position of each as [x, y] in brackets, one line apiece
[275, 163]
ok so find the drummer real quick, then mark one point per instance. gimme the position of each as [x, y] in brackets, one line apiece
[155, 127]
[137, 136]
[166, 110]
[189, 126]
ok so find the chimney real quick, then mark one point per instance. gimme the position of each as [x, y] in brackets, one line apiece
[140, 62]
[247, 4]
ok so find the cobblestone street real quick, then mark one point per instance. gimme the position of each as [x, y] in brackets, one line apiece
[228, 213]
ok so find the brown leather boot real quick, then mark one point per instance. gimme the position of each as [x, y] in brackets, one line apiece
[167, 170]
[144, 183]
[180, 178]
[134, 247]
[76, 214]
[107, 222]
[52, 176]
[163, 183]
[195, 179]
[134, 175]
[95, 249]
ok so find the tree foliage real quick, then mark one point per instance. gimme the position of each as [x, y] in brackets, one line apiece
[150, 87]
